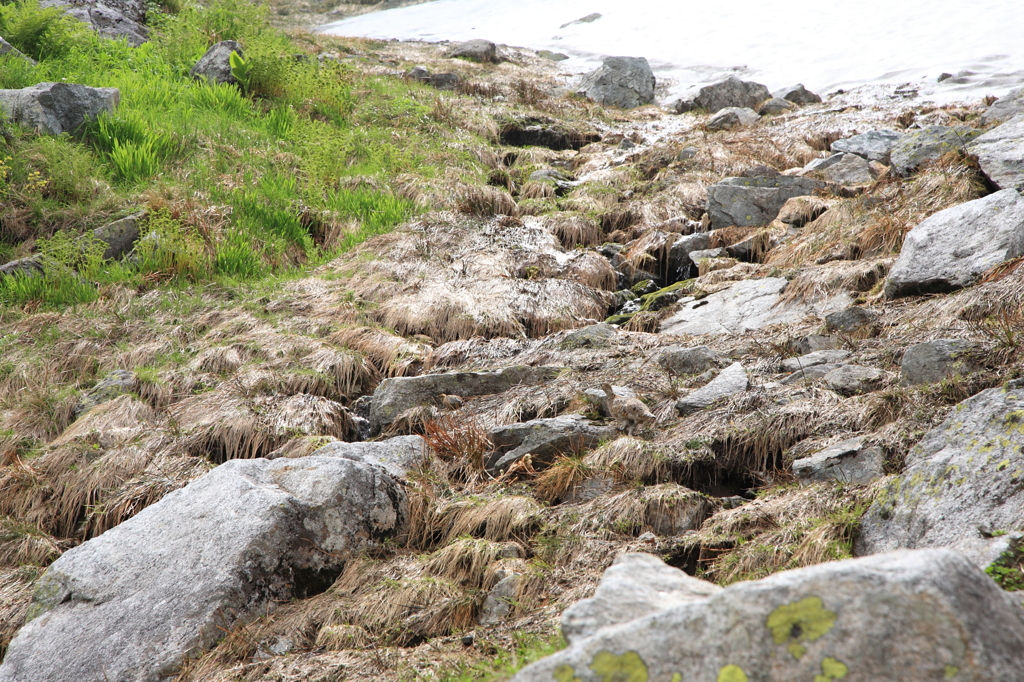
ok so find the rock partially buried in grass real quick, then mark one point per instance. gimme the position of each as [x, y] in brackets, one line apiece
[928, 144]
[849, 461]
[137, 601]
[55, 108]
[215, 65]
[776, 105]
[544, 440]
[7, 49]
[925, 615]
[624, 82]
[681, 361]
[932, 361]
[731, 381]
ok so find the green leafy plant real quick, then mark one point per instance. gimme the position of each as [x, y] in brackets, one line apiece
[239, 69]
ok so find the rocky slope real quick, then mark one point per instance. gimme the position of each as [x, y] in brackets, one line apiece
[430, 472]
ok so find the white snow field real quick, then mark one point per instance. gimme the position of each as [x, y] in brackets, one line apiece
[824, 44]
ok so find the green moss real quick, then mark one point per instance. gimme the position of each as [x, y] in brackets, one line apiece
[565, 673]
[628, 667]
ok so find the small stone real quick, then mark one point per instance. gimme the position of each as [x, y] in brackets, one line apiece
[731, 92]
[215, 65]
[820, 357]
[943, 77]
[814, 342]
[854, 379]
[849, 320]
[850, 462]
[467, 640]
[682, 361]
[876, 145]
[552, 56]
[647, 537]
[798, 94]
[733, 117]
[624, 82]
[932, 361]
[776, 105]
[418, 73]
[686, 153]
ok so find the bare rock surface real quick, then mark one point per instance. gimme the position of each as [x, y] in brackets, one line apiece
[932, 361]
[397, 455]
[132, 604]
[544, 440]
[55, 108]
[215, 65]
[478, 50]
[928, 144]
[733, 117]
[1000, 153]
[1006, 107]
[798, 94]
[854, 379]
[953, 248]
[876, 145]
[924, 615]
[731, 381]
[634, 586]
[731, 92]
[850, 461]
[624, 82]
[820, 357]
[754, 201]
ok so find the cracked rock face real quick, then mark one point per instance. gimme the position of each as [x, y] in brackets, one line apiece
[132, 604]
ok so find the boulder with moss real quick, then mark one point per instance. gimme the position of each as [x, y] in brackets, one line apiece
[924, 615]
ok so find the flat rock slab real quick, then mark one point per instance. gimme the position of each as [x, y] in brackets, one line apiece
[928, 144]
[754, 201]
[820, 357]
[544, 440]
[396, 395]
[810, 373]
[844, 169]
[134, 603]
[932, 361]
[55, 108]
[475, 50]
[634, 586]
[850, 461]
[624, 82]
[965, 478]
[1000, 153]
[924, 615]
[854, 379]
[748, 304]
[731, 381]
[876, 145]
[397, 456]
[953, 248]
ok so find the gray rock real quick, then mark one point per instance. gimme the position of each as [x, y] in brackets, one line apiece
[814, 342]
[544, 440]
[811, 373]
[697, 256]
[552, 56]
[798, 94]
[397, 456]
[444, 81]
[754, 201]
[483, 51]
[849, 320]
[635, 586]
[776, 105]
[925, 615]
[932, 361]
[599, 399]
[7, 49]
[687, 153]
[1006, 107]
[624, 82]
[589, 19]
[215, 65]
[876, 145]
[821, 163]
[854, 379]
[845, 169]
[847, 462]
[119, 236]
[115, 384]
[928, 144]
[111, 21]
[799, 211]
[418, 73]
[562, 183]
[499, 601]
[134, 603]
[32, 266]
[747, 304]
[962, 481]
[732, 92]
[680, 361]
[733, 117]
[680, 265]
[953, 248]
[731, 381]
[820, 357]
[1000, 153]
[396, 395]
[55, 108]
[594, 336]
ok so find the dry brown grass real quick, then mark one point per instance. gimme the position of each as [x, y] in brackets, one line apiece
[630, 459]
[821, 282]
[460, 440]
[665, 509]
[16, 589]
[557, 481]
[488, 201]
[393, 356]
[574, 230]
[22, 544]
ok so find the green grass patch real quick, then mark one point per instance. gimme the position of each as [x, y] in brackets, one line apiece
[526, 649]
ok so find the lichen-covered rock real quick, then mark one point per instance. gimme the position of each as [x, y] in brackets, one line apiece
[634, 586]
[931, 361]
[875, 145]
[964, 480]
[1000, 153]
[733, 117]
[924, 615]
[754, 201]
[731, 381]
[624, 82]
[134, 603]
[396, 395]
[953, 248]
[55, 108]
[928, 144]
[732, 92]
[215, 65]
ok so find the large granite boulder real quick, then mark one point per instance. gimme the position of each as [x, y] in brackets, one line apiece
[136, 602]
[1000, 153]
[924, 615]
[731, 381]
[397, 456]
[634, 586]
[928, 144]
[624, 82]
[754, 201]
[732, 92]
[876, 145]
[55, 108]
[963, 481]
[396, 395]
[1006, 107]
[544, 440]
[215, 65]
[953, 248]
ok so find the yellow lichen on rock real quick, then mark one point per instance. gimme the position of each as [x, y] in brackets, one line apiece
[732, 673]
[804, 621]
[628, 667]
